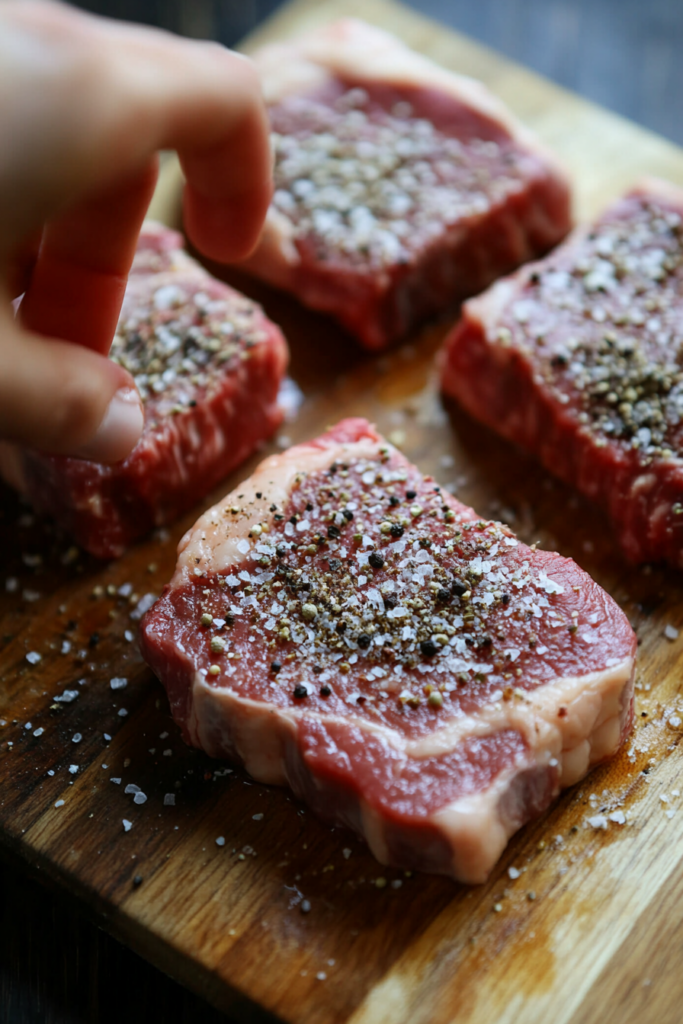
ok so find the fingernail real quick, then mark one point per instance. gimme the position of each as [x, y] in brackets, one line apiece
[119, 431]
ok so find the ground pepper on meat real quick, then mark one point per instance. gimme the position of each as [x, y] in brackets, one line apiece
[178, 344]
[383, 607]
[607, 324]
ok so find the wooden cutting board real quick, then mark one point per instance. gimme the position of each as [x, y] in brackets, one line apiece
[576, 924]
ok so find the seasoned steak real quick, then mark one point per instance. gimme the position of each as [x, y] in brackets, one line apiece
[342, 625]
[579, 359]
[399, 186]
[208, 365]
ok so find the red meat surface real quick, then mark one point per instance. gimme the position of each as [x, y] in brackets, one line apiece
[342, 625]
[578, 360]
[208, 365]
[400, 188]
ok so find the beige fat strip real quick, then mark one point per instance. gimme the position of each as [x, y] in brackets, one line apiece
[590, 701]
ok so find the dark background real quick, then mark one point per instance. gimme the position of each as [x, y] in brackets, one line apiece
[55, 966]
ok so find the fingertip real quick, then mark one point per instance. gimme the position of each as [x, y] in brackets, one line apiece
[225, 231]
[118, 432]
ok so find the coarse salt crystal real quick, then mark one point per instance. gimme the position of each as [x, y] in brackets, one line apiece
[670, 813]
[674, 721]
[139, 798]
[143, 605]
[514, 872]
[670, 632]
[66, 697]
[73, 768]
[33, 657]
[59, 803]
[169, 799]
[167, 753]
[127, 825]
[346, 852]
[220, 841]
[39, 732]
[618, 817]
[118, 683]
[597, 821]
[107, 736]
[77, 737]
[116, 782]
[122, 712]
[257, 817]
[128, 635]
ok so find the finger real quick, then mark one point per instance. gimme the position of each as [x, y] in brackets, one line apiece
[229, 186]
[129, 91]
[65, 399]
[79, 278]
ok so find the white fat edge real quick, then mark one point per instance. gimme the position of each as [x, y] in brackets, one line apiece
[210, 546]
[590, 701]
[475, 831]
[374, 829]
[534, 716]
[475, 826]
[256, 727]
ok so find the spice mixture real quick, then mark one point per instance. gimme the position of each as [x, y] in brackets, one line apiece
[372, 187]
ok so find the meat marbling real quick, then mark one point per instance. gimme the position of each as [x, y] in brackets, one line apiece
[400, 186]
[578, 360]
[341, 625]
[208, 365]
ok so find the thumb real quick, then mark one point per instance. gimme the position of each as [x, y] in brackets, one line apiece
[65, 399]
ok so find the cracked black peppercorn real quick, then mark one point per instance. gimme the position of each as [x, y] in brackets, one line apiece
[459, 588]
[375, 560]
[428, 648]
[396, 530]
[364, 641]
[300, 691]
[410, 495]
[325, 691]
[275, 667]
[333, 532]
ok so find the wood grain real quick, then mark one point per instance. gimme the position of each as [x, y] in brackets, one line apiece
[588, 931]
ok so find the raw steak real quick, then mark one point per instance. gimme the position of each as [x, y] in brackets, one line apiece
[340, 624]
[578, 359]
[208, 365]
[400, 187]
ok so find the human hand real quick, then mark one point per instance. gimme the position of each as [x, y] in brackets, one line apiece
[87, 105]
